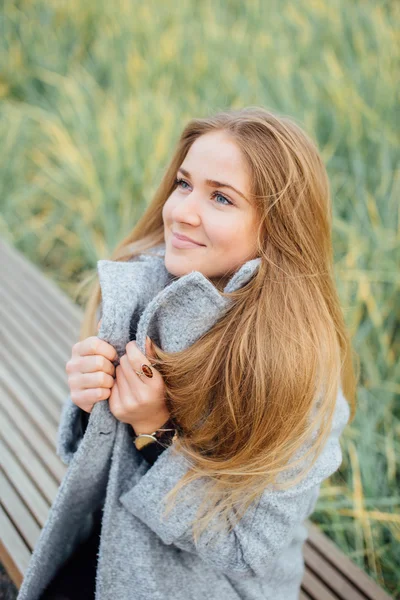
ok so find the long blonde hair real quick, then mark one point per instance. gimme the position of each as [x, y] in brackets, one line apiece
[260, 386]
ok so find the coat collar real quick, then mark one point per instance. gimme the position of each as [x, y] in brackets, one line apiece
[174, 312]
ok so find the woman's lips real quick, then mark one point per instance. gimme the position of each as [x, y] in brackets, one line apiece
[179, 243]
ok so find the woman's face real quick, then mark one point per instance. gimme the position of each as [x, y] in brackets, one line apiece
[219, 218]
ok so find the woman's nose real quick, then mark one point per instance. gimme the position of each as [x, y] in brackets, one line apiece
[187, 210]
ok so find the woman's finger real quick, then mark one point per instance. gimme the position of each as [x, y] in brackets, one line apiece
[136, 357]
[114, 401]
[128, 371]
[90, 364]
[94, 345]
[149, 348]
[85, 381]
[126, 399]
[125, 389]
[87, 398]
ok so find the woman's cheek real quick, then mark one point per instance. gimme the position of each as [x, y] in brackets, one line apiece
[168, 208]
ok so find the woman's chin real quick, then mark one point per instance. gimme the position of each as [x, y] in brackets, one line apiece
[180, 266]
[177, 266]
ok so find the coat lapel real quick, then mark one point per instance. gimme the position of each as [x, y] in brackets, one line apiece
[127, 287]
[185, 310]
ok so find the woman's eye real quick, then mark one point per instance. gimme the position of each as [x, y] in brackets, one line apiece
[217, 194]
[179, 182]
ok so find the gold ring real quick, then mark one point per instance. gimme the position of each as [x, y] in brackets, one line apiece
[146, 370]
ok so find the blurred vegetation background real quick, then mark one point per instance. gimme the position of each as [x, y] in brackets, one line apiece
[93, 96]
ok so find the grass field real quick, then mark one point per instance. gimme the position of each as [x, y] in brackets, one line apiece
[93, 96]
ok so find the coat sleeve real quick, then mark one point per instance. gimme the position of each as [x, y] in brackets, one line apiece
[263, 533]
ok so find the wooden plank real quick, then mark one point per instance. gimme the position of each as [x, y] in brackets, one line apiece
[332, 578]
[28, 491]
[331, 553]
[32, 405]
[35, 327]
[28, 431]
[43, 290]
[22, 294]
[315, 589]
[28, 459]
[31, 385]
[34, 358]
[13, 552]
[21, 517]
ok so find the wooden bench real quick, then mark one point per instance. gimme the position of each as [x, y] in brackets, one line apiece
[39, 325]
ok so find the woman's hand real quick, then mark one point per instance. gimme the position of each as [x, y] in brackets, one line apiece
[138, 400]
[91, 372]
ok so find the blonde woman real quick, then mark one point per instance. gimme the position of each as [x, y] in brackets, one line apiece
[207, 409]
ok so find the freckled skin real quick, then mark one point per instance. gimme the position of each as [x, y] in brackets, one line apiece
[200, 212]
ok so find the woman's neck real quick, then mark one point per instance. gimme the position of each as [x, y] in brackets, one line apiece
[220, 282]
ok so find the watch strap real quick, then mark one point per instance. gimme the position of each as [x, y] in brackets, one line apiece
[151, 452]
[152, 445]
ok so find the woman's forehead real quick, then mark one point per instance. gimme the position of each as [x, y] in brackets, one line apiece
[213, 158]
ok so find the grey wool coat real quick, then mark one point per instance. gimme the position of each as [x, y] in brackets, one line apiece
[143, 556]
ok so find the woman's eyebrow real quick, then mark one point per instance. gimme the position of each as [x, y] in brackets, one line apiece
[214, 183]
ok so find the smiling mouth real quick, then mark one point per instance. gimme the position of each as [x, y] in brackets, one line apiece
[178, 242]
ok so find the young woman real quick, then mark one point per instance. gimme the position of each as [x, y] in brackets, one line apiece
[207, 410]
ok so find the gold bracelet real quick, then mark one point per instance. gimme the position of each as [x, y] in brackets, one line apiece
[143, 439]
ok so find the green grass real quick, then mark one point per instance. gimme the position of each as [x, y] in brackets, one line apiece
[93, 97]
